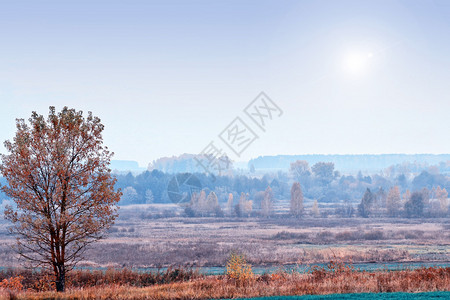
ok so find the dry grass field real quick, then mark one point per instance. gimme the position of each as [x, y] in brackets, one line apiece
[140, 240]
[338, 279]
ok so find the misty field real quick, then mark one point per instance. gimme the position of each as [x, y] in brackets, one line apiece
[140, 241]
[136, 241]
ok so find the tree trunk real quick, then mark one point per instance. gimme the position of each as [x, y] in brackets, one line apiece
[61, 279]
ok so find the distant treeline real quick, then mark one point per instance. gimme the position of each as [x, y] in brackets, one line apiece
[353, 162]
[320, 183]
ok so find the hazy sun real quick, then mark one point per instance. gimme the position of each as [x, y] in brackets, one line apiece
[356, 62]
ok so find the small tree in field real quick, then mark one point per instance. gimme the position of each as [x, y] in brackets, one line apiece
[58, 176]
[267, 203]
[212, 203]
[244, 207]
[442, 195]
[315, 209]
[393, 201]
[414, 207]
[365, 207]
[230, 204]
[238, 269]
[296, 199]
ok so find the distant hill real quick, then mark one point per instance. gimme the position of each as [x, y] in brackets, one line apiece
[186, 162]
[120, 166]
[348, 162]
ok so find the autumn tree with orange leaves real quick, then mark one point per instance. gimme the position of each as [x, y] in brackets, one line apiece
[58, 176]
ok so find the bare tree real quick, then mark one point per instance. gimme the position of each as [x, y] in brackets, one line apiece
[129, 196]
[393, 201]
[245, 206]
[406, 197]
[149, 198]
[267, 203]
[414, 207]
[296, 199]
[442, 195]
[229, 209]
[202, 205]
[366, 206]
[315, 209]
[212, 203]
[299, 169]
[58, 176]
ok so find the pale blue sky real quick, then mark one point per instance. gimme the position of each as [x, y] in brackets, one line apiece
[166, 77]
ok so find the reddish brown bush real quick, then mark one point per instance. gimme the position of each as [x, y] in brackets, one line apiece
[40, 281]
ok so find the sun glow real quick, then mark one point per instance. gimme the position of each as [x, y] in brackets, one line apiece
[356, 63]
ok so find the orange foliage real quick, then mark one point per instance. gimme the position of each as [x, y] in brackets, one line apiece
[13, 283]
[238, 270]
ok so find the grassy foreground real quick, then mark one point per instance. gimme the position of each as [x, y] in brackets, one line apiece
[339, 279]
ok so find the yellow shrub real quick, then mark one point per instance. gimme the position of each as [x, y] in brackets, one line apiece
[238, 269]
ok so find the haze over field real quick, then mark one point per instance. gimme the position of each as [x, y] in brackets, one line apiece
[167, 77]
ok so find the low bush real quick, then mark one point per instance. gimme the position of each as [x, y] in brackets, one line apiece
[238, 270]
[374, 235]
[42, 281]
[286, 235]
[348, 236]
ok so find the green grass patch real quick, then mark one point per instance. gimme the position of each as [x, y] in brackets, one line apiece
[427, 295]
